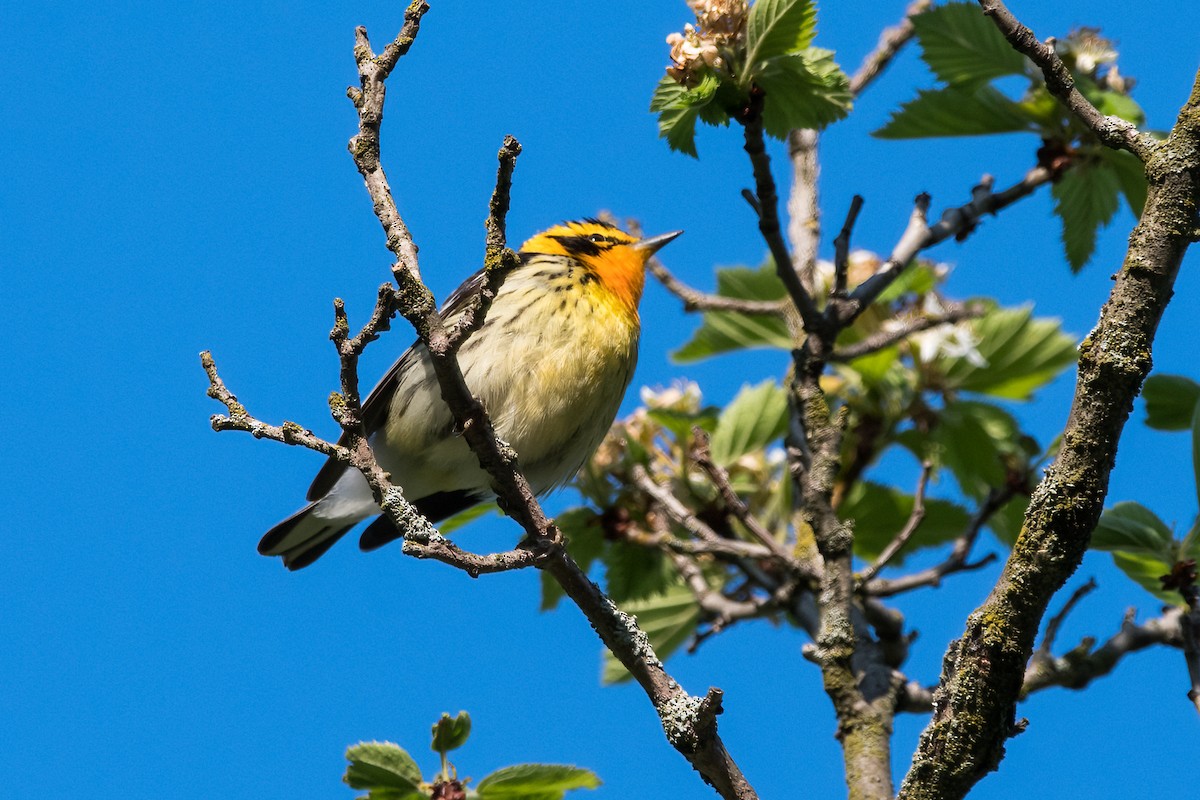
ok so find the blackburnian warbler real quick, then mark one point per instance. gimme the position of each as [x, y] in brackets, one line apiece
[550, 364]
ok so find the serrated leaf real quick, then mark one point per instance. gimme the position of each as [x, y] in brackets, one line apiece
[678, 108]
[956, 111]
[462, 518]
[450, 733]
[724, 331]
[1021, 354]
[778, 27]
[979, 443]
[753, 419]
[1110, 103]
[585, 542]
[879, 512]
[1085, 201]
[668, 620]
[1132, 528]
[803, 90]
[1146, 570]
[634, 573]
[1131, 177]
[1170, 401]
[523, 781]
[381, 764]
[961, 45]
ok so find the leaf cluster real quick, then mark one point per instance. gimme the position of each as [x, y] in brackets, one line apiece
[801, 85]
[977, 69]
[1142, 545]
[387, 772]
[940, 395]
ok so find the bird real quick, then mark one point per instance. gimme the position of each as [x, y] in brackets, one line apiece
[550, 364]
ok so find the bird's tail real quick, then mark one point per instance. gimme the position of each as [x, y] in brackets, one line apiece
[303, 537]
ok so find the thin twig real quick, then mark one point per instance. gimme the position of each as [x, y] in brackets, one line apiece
[702, 456]
[890, 42]
[696, 300]
[803, 205]
[672, 505]
[498, 260]
[954, 563]
[841, 246]
[886, 338]
[768, 206]
[915, 517]
[1081, 665]
[1055, 622]
[723, 610]
[1113, 131]
[958, 222]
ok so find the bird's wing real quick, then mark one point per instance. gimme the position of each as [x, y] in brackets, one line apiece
[378, 403]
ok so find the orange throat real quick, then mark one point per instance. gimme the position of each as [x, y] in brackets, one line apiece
[622, 273]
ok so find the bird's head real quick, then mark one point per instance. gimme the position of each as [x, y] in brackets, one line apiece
[616, 258]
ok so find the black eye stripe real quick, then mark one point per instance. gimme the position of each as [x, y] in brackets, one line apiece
[585, 245]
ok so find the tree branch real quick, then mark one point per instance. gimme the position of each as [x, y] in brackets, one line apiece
[955, 562]
[696, 300]
[1113, 131]
[983, 672]
[768, 211]
[915, 517]
[958, 222]
[890, 43]
[1081, 665]
[886, 338]
[498, 260]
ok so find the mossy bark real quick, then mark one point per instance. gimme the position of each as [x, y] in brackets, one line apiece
[975, 706]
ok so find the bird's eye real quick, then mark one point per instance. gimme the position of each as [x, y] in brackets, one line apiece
[596, 237]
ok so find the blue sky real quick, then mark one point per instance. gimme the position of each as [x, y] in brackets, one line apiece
[175, 179]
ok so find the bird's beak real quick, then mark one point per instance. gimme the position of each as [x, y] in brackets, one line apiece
[653, 244]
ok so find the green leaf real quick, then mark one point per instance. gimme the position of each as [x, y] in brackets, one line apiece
[1022, 354]
[462, 518]
[680, 423]
[724, 331]
[676, 115]
[667, 619]
[634, 573]
[778, 27]
[585, 542]
[803, 90]
[919, 279]
[1131, 176]
[1085, 201]
[376, 765]
[980, 443]
[1146, 570]
[524, 781]
[1170, 401]
[961, 45]
[1132, 528]
[879, 512]
[755, 418]
[1110, 103]
[1007, 521]
[956, 111]
[1196, 448]
[450, 733]
[874, 369]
